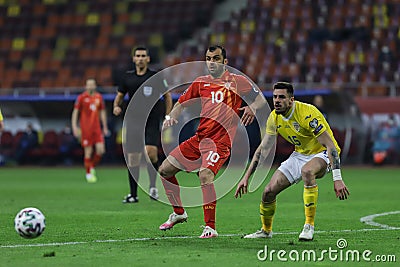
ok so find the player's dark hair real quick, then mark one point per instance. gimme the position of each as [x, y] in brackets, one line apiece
[139, 48]
[215, 47]
[285, 85]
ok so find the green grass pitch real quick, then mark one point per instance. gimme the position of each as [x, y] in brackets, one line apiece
[87, 224]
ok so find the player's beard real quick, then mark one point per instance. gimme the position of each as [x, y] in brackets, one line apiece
[216, 70]
[282, 111]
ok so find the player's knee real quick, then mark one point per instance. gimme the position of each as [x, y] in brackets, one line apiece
[307, 172]
[164, 170]
[206, 176]
[308, 175]
[152, 153]
[205, 180]
[268, 195]
[133, 159]
[88, 155]
[153, 157]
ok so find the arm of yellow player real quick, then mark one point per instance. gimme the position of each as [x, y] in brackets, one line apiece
[259, 156]
[339, 186]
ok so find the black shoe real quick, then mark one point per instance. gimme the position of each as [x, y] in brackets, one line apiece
[130, 199]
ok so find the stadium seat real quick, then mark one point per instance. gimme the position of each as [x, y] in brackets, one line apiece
[48, 151]
[7, 145]
[309, 33]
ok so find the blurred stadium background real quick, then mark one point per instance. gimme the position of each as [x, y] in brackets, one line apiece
[346, 51]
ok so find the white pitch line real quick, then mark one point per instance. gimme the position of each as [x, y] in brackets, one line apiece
[370, 220]
[177, 237]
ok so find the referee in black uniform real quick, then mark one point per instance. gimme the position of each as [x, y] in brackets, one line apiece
[131, 83]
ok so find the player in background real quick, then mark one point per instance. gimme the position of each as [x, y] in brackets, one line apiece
[90, 108]
[1, 122]
[221, 95]
[316, 152]
[131, 82]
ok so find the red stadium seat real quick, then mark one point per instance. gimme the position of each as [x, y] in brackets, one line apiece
[7, 145]
[48, 151]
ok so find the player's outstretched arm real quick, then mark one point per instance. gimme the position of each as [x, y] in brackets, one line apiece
[339, 186]
[171, 118]
[250, 111]
[259, 156]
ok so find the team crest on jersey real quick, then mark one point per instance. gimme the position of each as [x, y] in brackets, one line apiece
[313, 123]
[296, 126]
[228, 85]
[147, 90]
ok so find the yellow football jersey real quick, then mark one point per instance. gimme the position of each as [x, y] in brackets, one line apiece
[1, 116]
[301, 128]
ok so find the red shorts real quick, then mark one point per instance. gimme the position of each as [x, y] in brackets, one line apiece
[90, 138]
[193, 154]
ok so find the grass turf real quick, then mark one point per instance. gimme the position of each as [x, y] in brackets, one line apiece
[87, 225]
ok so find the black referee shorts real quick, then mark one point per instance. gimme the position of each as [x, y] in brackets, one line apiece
[135, 135]
[153, 132]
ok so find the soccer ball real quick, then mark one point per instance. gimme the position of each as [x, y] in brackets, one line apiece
[30, 223]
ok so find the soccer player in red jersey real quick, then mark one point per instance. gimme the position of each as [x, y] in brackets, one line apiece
[90, 108]
[220, 94]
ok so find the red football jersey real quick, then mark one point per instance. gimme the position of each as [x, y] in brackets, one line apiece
[220, 100]
[89, 107]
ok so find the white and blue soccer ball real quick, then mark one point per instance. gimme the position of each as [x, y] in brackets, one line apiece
[30, 223]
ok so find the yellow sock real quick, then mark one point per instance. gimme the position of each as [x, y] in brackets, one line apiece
[310, 197]
[267, 211]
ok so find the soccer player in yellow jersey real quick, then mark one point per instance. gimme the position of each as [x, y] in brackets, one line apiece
[316, 152]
